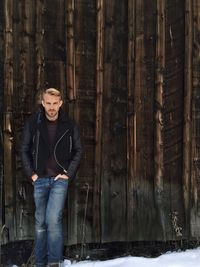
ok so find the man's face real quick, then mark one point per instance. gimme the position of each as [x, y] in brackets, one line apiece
[51, 106]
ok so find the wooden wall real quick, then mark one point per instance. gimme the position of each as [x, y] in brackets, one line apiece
[1, 111]
[130, 73]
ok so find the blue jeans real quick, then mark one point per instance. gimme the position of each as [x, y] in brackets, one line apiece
[49, 197]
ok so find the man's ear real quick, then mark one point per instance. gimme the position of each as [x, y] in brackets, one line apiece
[60, 104]
[43, 103]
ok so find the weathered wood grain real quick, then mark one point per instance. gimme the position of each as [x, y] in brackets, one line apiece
[195, 126]
[173, 114]
[129, 71]
[81, 45]
[23, 103]
[113, 216]
[9, 202]
[143, 95]
[2, 197]
[130, 122]
[99, 116]
[162, 212]
[54, 44]
[39, 47]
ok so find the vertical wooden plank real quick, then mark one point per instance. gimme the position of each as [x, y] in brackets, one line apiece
[195, 126]
[2, 19]
[131, 185]
[25, 53]
[2, 195]
[141, 105]
[114, 134]
[24, 84]
[81, 60]
[159, 152]
[70, 51]
[71, 95]
[138, 102]
[99, 113]
[187, 133]
[143, 94]
[54, 45]
[39, 46]
[173, 114]
[85, 32]
[146, 42]
[8, 52]
[169, 118]
[8, 93]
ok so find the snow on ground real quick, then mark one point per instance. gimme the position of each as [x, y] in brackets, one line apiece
[188, 258]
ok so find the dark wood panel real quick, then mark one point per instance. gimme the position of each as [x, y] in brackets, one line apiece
[161, 184]
[113, 182]
[100, 25]
[187, 135]
[54, 44]
[23, 103]
[195, 129]
[9, 200]
[144, 91]
[130, 73]
[130, 122]
[81, 72]
[174, 108]
[2, 19]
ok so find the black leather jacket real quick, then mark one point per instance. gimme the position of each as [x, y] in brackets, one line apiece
[35, 148]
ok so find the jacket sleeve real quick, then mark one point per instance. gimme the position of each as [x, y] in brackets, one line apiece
[26, 156]
[76, 152]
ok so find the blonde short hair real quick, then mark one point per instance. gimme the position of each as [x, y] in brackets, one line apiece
[52, 91]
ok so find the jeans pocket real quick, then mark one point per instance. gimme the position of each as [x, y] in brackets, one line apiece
[62, 182]
[36, 181]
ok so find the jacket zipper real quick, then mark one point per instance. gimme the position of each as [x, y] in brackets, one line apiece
[55, 151]
[37, 148]
[70, 147]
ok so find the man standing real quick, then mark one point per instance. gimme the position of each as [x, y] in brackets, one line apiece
[51, 153]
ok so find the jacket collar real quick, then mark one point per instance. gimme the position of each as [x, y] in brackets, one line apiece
[62, 115]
